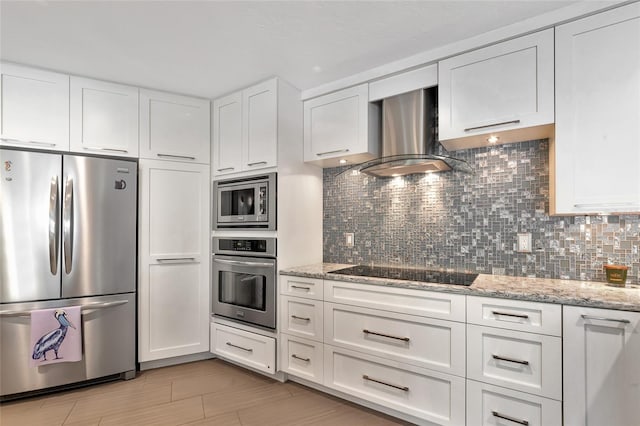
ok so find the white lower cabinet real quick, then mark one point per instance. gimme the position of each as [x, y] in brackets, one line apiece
[489, 405]
[302, 358]
[522, 361]
[251, 349]
[425, 342]
[419, 392]
[301, 317]
[601, 351]
[173, 290]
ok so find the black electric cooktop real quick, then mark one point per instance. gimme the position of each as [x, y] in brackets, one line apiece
[423, 275]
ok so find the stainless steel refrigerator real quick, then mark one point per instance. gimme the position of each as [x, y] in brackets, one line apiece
[67, 238]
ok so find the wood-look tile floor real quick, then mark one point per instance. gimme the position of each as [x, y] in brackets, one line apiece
[210, 392]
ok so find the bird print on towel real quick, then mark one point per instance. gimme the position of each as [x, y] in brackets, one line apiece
[53, 339]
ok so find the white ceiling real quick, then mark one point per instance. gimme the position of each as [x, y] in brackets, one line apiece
[210, 48]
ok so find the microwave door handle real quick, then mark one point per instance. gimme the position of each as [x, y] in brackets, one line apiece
[243, 262]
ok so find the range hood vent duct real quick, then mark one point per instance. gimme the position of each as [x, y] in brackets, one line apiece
[409, 142]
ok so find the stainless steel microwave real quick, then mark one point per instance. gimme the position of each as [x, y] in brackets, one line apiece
[245, 203]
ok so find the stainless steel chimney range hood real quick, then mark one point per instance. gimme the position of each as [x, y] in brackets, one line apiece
[409, 143]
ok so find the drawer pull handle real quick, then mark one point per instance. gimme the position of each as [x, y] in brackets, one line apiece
[404, 339]
[331, 152]
[517, 361]
[300, 318]
[99, 148]
[11, 140]
[239, 347]
[300, 358]
[184, 157]
[508, 314]
[226, 168]
[590, 317]
[257, 163]
[300, 287]
[511, 419]
[402, 388]
[468, 129]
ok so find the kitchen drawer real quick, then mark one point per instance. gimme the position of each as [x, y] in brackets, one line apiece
[253, 350]
[522, 361]
[301, 317]
[301, 358]
[309, 288]
[419, 392]
[493, 405]
[424, 342]
[409, 301]
[543, 318]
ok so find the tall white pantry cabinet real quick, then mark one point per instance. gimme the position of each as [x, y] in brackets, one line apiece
[174, 216]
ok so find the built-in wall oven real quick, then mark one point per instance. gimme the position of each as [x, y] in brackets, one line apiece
[245, 203]
[244, 280]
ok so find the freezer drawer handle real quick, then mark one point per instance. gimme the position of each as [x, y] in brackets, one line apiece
[516, 361]
[239, 347]
[54, 226]
[511, 419]
[85, 308]
[404, 339]
[507, 314]
[371, 379]
[13, 140]
[468, 129]
[67, 217]
[591, 317]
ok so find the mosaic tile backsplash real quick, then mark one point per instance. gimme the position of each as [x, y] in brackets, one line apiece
[470, 222]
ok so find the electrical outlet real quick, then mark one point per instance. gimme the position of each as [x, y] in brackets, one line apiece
[524, 242]
[349, 239]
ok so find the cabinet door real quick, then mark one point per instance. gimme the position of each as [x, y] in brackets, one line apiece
[260, 125]
[601, 373]
[502, 87]
[174, 127]
[597, 108]
[227, 134]
[104, 117]
[34, 108]
[337, 126]
[174, 259]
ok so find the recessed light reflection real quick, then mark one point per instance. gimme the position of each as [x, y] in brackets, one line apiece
[493, 139]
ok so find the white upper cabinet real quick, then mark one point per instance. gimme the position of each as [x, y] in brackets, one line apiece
[104, 117]
[341, 126]
[174, 127]
[504, 90]
[597, 147]
[226, 155]
[245, 129]
[260, 125]
[601, 349]
[34, 108]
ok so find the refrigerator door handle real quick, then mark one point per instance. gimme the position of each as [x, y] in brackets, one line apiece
[54, 226]
[67, 218]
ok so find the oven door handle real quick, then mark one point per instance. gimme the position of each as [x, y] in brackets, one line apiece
[243, 262]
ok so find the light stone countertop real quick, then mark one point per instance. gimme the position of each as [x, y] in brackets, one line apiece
[567, 292]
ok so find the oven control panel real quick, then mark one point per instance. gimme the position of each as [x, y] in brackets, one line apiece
[245, 246]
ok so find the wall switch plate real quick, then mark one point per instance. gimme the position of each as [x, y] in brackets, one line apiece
[524, 242]
[349, 239]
